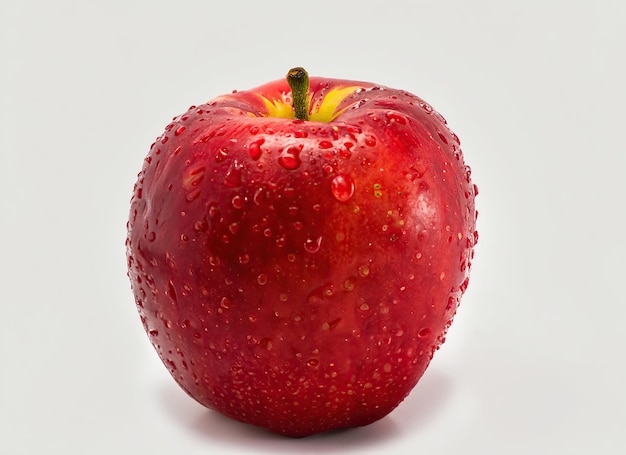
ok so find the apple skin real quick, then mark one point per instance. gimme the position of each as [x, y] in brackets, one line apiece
[299, 275]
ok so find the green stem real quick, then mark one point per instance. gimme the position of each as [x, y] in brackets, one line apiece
[298, 80]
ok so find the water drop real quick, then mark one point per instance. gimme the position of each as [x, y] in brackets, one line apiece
[290, 157]
[234, 227]
[192, 194]
[325, 145]
[179, 130]
[200, 226]
[423, 333]
[238, 202]
[254, 130]
[213, 211]
[370, 141]
[395, 117]
[373, 116]
[452, 303]
[261, 279]
[463, 285]
[171, 292]
[266, 343]
[342, 187]
[225, 303]
[221, 154]
[313, 245]
[244, 258]
[151, 237]
[313, 363]
[364, 271]
[426, 107]
[254, 149]
[233, 175]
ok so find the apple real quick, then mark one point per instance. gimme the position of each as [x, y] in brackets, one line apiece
[297, 251]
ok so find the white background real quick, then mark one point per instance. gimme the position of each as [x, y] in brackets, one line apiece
[534, 363]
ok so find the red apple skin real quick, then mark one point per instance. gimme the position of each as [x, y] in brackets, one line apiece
[299, 275]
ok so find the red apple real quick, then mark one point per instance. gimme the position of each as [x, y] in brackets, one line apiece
[297, 251]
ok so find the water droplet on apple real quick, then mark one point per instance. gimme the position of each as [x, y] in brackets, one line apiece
[151, 237]
[266, 343]
[244, 258]
[238, 202]
[313, 245]
[342, 187]
[370, 141]
[225, 303]
[234, 227]
[313, 363]
[374, 116]
[179, 130]
[254, 130]
[221, 154]
[200, 226]
[254, 149]
[261, 279]
[394, 117]
[171, 292]
[426, 107]
[364, 271]
[233, 175]
[192, 195]
[290, 157]
[325, 145]
[423, 333]
[349, 285]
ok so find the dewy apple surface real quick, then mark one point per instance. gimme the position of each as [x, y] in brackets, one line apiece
[297, 267]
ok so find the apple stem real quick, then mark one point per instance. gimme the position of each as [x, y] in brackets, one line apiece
[298, 80]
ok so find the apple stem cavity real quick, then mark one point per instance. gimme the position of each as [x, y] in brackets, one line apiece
[298, 80]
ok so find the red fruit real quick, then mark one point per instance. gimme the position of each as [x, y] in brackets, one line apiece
[295, 274]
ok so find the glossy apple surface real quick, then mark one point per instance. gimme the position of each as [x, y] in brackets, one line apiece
[299, 275]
